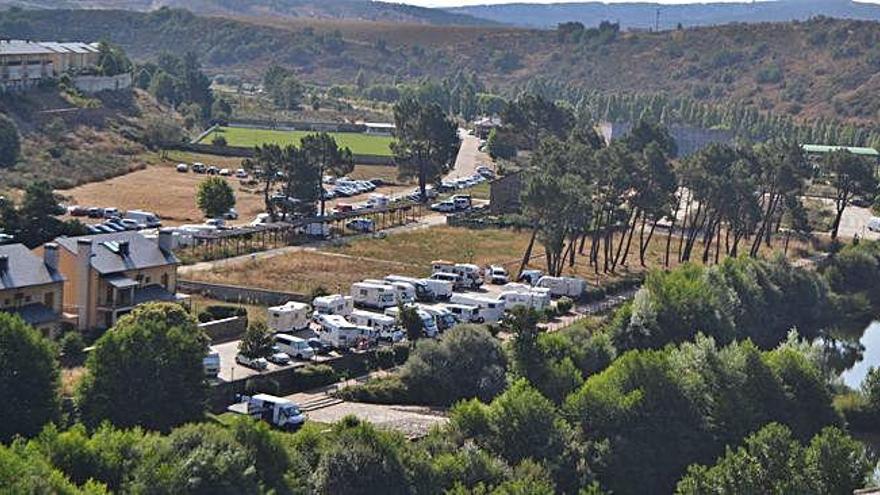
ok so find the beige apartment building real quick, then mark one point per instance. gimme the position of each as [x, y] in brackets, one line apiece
[107, 275]
[23, 63]
[32, 287]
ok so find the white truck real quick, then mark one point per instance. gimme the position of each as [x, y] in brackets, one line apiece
[429, 326]
[563, 286]
[334, 304]
[385, 326]
[291, 316]
[373, 295]
[276, 411]
[490, 310]
[339, 333]
[464, 313]
[294, 347]
[497, 275]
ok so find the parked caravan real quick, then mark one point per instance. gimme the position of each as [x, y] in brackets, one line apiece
[464, 313]
[429, 326]
[334, 304]
[373, 295]
[294, 347]
[563, 286]
[491, 310]
[339, 333]
[291, 316]
[424, 292]
[458, 282]
[441, 290]
[470, 272]
[383, 325]
[442, 316]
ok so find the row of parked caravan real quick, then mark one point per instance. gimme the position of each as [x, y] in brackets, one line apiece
[370, 312]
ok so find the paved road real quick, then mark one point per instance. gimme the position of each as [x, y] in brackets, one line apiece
[469, 157]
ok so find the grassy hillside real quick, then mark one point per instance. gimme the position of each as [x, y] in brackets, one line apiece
[809, 69]
[70, 141]
[288, 9]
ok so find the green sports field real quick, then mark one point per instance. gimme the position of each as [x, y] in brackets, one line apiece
[360, 144]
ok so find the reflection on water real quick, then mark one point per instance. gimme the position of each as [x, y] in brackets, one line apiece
[853, 374]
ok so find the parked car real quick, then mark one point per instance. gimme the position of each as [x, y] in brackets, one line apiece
[111, 212]
[182, 168]
[253, 363]
[212, 170]
[241, 173]
[225, 172]
[361, 225]
[444, 207]
[319, 347]
[278, 357]
[77, 211]
[145, 218]
[874, 224]
[199, 168]
[497, 275]
[232, 214]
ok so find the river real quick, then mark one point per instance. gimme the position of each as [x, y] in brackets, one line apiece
[870, 341]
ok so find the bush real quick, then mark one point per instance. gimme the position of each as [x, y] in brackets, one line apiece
[315, 375]
[389, 390]
[218, 140]
[72, 344]
[401, 353]
[593, 294]
[564, 305]
[219, 312]
[383, 358]
[318, 291]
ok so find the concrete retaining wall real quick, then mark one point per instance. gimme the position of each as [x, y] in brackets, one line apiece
[239, 295]
[224, 330]
[95, 84]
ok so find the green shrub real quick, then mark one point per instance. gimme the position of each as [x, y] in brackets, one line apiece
[72, 344]
[315, 375]
[593, 294]
[401, 353]
[564, 305]
[220, 312]
[383, 358]
[388, 390]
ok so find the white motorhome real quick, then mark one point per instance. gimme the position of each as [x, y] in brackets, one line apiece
[491, 310]
[294, 347]
[291, 316]
[334, 304]
[444, 318]
[563, 286]
[468, 271]
[464, 313]
[532, 299]
[146, 218]
[373, 295]
[429, 326]
[338, 332]
[276, 411]
[385, 326]
[405, 291]
[440, 289]
[376, 200]
[423, 290]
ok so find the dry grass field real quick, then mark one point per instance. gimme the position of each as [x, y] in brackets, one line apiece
[159, 188]
[410, 253]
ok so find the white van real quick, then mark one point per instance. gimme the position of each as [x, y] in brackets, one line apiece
[384, 325]
[291, 316]
[464, 313]
[444, 318]
[373, 295]
[457, 281]
[334, 304]
[874, 224]
[470, 272]
[376, 200]
[563, 286]
[429, 326]
[423, 290]
[146, 218]
[338, 332]
[294, 347]
[440, 289]
[491, 310]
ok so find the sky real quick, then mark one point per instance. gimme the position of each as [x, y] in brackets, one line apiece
[457, 3]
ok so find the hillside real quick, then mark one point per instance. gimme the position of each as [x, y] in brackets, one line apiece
[645, 15]
[820, 68]
[285, 9]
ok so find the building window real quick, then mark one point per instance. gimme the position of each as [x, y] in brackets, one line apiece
[49, 300]
[148, 281]
[165, 280]
[109, 295]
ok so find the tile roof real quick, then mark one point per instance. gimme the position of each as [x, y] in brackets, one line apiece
[24, 268]
[108, 257]
[35, 314]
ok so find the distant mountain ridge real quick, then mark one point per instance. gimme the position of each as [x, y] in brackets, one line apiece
[650, 15]
[364, 10]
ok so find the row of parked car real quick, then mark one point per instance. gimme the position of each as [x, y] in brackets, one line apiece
[201, 168]
[114, 219]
